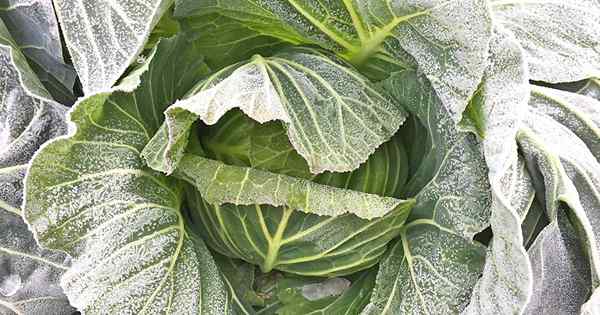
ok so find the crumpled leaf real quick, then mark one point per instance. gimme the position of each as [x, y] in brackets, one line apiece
[560, 38]
[435, 34]
[29, 275]
[334, 116]
[105, 36]
[34, 28]
[506, 284]
[559, 144]
[435, 264]
[219, 183]
[91, 196]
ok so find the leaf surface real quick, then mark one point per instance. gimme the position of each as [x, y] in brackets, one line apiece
[432, 34]
[560, 38]
[435, 264]
[105, 36]
[91, 196]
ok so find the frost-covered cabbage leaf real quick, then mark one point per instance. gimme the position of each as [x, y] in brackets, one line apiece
[505, 286]
[448, 40]
[435, 263]
[104, 37]
[29, 275]
[301, 157]
[317, 230]
[34, 28]
[560, 143]
[91, 196]
[335, 117]
[560, 38]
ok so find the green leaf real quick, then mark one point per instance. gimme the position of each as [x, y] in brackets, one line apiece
[558, 251]
[559, 38]
[434, 34]
[34, 28]
[283, 238]
[91, 196]
[104, 37]
[239, 278]
[225, 41]
[506, 284]
[331, 296]
[435, 264]
[335, 117]
[219, 183]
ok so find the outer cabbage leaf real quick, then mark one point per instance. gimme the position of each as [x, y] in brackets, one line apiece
[506, 284]
[560, 144]
[104, 36]
[90, 195]
[435, 264]
[560, 38]
[334, 116]
[34, 28]
[451, 52]
[28, 275]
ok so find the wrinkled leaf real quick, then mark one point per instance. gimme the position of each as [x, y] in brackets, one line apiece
[560, 38]
[91, 196]
[105, 36]
[335, 117]
[506, 284]
[559, 143]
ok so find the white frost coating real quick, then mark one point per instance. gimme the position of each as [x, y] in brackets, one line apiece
[89, 194]
[448, 39]
[327, 288]
[571, 177]
[506, 284]
[33, 25]
[422, 273]
[105, 36]
[248, 88]
[29, 277]
[560, 37]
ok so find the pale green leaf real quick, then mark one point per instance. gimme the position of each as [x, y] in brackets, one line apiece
[560, 38]
[335, 117]
[91, 196]
[104, 37]
[219, 183]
